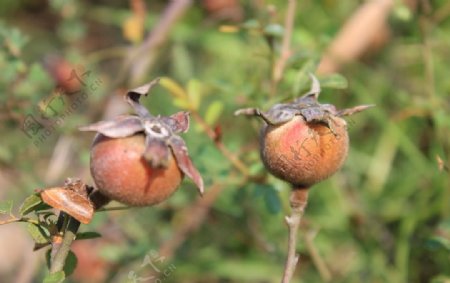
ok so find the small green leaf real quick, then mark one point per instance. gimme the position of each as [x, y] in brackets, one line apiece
[272, 200]
[70, 264]
[251, 24]
[275, 30]
[29, 204]
[436, 243]
[182, 103]
[194, 91]
[56, 277]
[48, 255]
[88, 235]
[302, 80]
[39, 234]
[173, 87]
[270, 196]
[335, 81]
[213, 112]
[6, 207]
[441, 278]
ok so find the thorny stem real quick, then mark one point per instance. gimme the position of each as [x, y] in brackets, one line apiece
[298, 201]
[59, 260]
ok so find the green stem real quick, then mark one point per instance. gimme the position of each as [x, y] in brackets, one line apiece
[59, 260]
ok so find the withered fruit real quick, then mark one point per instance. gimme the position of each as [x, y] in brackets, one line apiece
[303, 142]
[140, 160]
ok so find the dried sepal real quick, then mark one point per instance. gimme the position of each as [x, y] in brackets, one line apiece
[178, 122]
[72, 198]
[120, 127]
[184, 162]
[353, 110]
[133, 96]
[306, 106]
[156, 152]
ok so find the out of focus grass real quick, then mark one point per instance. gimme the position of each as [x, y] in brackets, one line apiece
[385, 217]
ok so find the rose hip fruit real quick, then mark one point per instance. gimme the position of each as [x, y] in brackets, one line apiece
[303, 142]
[121, 172]
[304, 153]
[140, 159]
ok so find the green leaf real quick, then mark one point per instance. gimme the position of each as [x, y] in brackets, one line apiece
[56, 277]
[194, 91]
[88, 235]
[6, 207]
[441, 278]
[302, 80]
[436, 243]
[270, 196]
[29, 204]
[39, 234]
[335, 81]
[182, 103]
[251, 24]
[272, 200]
[275, 30]
[70, 264]
[173, 87]
[213, 112]
[48, 255]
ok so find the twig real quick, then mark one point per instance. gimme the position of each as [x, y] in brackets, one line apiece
[357, 35]
[145, 55]
[195, 216]
[21, 219]
[320, 264]
[238, 164]
[298, 201]
[59, 260]
[280, 64]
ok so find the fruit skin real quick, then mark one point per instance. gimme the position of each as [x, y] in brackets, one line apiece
[121, 172]
[304, 153]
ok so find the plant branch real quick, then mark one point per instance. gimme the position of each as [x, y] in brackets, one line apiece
[142, 60]
[59, 260]
[21, 219]
[194, 216]
[298, 201]
[238, 164]
[280, 64]
[320, 264]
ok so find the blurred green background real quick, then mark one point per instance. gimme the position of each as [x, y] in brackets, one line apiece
[384, 217]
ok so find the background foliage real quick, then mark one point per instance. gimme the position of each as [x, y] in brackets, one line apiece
[385, 217]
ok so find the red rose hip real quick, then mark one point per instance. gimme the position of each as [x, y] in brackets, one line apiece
[304, 153]
[303, 142]
[121, 172]
[140, 159]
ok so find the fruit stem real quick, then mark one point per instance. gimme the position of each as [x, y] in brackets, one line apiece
[59, 260]
[298, 202]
